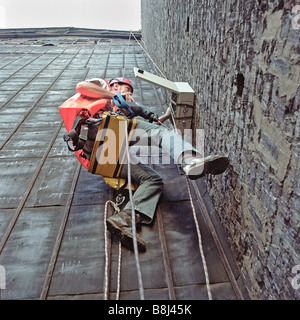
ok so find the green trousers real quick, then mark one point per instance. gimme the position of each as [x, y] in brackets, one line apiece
[146, 196]
[150, 182]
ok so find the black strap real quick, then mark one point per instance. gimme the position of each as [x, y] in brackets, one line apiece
[101, 140]
[123, 149]
[123, 187]
[77, 140]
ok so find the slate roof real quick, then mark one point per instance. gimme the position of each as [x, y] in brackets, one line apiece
[52, 210]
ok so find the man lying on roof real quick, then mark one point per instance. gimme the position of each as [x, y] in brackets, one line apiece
[149, 181]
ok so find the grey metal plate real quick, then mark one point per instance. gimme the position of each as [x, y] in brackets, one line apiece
[27, 253]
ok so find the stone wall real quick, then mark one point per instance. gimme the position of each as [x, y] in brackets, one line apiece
[242, 59]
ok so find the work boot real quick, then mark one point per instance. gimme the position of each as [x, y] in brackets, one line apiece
[121, 225]
[196, 167]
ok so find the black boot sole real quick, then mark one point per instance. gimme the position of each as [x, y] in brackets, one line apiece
[125, 238]
[214, 166]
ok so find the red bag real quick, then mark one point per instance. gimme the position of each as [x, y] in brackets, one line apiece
[85, 108]
[75, 105]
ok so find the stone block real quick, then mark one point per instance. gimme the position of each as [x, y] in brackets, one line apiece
[257, 127]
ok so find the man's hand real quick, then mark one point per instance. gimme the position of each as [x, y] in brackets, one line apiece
[128, 96]
[164, 117]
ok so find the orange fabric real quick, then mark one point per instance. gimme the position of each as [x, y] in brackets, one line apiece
[87, 108]
[72, 107]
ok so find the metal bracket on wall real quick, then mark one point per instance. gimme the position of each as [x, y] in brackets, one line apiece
[183, 97]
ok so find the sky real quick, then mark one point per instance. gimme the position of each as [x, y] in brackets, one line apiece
[95, 14]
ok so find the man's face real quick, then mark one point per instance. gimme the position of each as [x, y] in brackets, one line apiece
[122, 88]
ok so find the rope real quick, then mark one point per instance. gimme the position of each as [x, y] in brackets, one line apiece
[155, 65]
[106, 268]
[119, 272]
[187, 181]
[125, 59]
[200, 242]
[135, 247]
